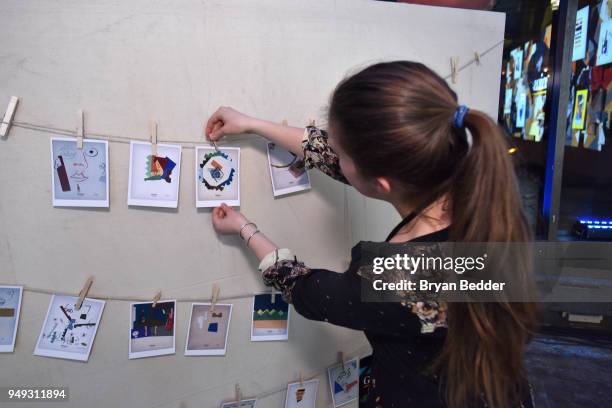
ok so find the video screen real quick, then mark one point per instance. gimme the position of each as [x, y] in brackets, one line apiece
[525, 88]
[590, 100]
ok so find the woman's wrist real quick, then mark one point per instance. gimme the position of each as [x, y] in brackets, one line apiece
[247, 230]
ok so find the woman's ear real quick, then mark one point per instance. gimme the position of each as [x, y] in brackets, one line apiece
[383, 186]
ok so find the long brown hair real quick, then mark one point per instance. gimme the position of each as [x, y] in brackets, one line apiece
[395, 119]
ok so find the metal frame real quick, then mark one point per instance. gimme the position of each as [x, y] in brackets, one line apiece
[564, 45]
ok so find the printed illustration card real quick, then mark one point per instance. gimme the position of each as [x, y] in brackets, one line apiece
[67, 332]
[287, 171]
[344, 382]
[154, 179]
[270, 318]
[79, 177]
[10, 305]
[208, 330]
[366, 381]
[152, 329]
[217, 176]
[248, 403]
[302, 395]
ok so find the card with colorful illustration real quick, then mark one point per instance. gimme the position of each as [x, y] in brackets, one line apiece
[366, 380]
[344, 382]
[79, 177]
[10, 306]
[208, 329]
[247, 403]
[67, 332]
[154, 178]
[152, 329]
[302, 395]
[270, 318]
[287, 171]
[579, 117]
[217, 176]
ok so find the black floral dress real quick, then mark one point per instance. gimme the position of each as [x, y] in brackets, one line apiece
[405, 336]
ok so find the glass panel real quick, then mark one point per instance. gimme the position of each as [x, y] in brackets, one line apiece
[526, 84]
[586, 192]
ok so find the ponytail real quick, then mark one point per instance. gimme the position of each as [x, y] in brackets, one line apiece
[483, 354]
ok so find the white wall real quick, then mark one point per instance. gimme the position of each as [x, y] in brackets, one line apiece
[128, 62]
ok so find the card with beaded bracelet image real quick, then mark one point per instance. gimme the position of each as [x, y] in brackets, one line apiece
[217, 176]
[287, 171]
[270, 318]
[208, 329]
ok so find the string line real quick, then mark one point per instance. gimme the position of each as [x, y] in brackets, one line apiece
[186, 143]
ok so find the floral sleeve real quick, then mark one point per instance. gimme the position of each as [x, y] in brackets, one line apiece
[283, 275]
[318, 154]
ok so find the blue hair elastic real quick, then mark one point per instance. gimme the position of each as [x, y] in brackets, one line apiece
[460, 113]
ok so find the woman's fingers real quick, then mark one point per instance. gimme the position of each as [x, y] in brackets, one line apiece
[213, 122]
[217, 131]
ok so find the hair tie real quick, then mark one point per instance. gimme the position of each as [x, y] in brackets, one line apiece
[460, 113]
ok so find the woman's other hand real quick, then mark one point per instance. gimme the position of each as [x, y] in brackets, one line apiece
[227, 121]
[226, 220]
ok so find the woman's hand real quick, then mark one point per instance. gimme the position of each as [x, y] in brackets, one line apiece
[227, 121]
[226, 220]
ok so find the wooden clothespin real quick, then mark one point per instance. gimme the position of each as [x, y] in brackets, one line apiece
[83, 293]
[214, 297]
[153, 133]
[273, 294]
[301, 378]
[238, 395]
[156, 298]
[8, 116]
[312, 122]
[341, 356]
[477, 57]
[454, 62]
[284, 122]
[80, 129]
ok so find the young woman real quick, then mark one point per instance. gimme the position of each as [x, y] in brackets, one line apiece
[396, 133]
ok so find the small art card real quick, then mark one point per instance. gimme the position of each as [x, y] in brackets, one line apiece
[10, 305]
[217, 176]
[152, 329]
[247, 403]
[208, 330]
[270, 318]
[579, 117]
[366, 381]
[154, 178]
[79, 177]
[344, 382]
[67, 332]
[302, 395]
[287, 171]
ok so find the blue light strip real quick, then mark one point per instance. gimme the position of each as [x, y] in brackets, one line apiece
[597, 224]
